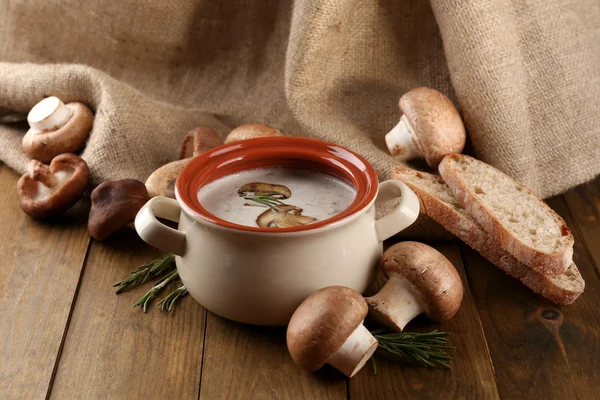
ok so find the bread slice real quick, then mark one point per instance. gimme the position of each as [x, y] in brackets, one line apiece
[510, 213]
[439, 203]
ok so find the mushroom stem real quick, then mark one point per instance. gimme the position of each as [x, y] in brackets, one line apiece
[402, 142]
[49, 114]
[41, 173]
[397, 303]
[355, 352]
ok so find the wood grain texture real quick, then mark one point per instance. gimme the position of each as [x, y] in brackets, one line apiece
[538, 349]
[115, 351]
[471, 375]
[99, 346]
[584, 206]
[249, 362]
[39, 274]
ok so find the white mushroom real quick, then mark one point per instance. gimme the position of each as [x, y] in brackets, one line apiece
[429, 128]
[327, 329]
[421, 280]
[56, 128]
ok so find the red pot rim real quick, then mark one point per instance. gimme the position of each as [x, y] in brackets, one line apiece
[276, 152]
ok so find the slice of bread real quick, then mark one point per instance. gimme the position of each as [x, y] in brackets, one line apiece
[439, 203]
[510, 213]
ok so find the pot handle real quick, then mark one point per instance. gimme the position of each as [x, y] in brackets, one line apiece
[155, 233]
[403, 215]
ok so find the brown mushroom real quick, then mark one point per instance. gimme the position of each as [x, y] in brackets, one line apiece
[56, 128]
[162, 181]
[251, 131]
[421, 280]
[115, 205]
[327, 328]
[429, 128]
[262, 189]
[198, 141]
[287, 208]
[45, 191]
[284, 216]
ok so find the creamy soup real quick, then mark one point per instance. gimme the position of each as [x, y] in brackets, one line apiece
[276, 197]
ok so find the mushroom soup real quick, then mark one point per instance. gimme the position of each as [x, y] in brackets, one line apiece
[276, 197]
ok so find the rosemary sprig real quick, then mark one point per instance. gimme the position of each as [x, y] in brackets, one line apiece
[150, 270]
[145, 300]
[168, 303]
[374, 364]
[425, 349]
[271, 194]
[266, 200]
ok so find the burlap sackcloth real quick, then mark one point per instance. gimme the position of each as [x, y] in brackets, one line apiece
[526, 75]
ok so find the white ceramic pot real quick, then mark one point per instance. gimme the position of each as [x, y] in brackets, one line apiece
[260, 275]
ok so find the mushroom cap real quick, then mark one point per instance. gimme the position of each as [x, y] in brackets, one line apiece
[262, 188]
[162, 181]
[322, 323]
[284, 216]
[114, 205]
[198, 141]
[251, 131]
[435, 122]
[432, 274]
[69, 174]
[69, 138]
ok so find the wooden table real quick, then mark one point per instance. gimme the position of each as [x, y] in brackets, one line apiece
[66, 335]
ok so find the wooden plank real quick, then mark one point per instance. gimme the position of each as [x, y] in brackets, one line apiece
[471, 375]
[115, 351]
[584, 205]
[539, 350]
[250, 362]
[39, 274]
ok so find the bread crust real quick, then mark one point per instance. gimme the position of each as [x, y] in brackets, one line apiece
[465, 228]
[549, 263]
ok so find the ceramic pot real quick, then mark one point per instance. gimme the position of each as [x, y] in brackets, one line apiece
[260, 275]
